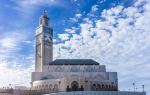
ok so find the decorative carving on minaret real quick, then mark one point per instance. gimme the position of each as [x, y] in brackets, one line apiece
[44, 43]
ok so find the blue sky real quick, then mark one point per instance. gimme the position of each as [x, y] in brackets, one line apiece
[113, 32]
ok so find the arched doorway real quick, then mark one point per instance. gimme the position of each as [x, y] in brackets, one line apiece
[74, 86]
[56, 87]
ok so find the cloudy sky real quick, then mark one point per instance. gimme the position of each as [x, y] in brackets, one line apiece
[113, 32]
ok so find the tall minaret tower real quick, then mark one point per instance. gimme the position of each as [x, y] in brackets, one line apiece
[44, 43]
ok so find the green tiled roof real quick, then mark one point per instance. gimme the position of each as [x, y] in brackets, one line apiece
[74, 62]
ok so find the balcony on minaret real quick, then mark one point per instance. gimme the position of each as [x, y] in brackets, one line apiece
[44, 19]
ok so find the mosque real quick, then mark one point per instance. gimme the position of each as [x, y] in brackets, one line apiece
[66, 74]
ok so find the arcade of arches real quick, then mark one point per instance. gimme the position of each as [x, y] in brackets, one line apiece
[94, 87]
[76, 87]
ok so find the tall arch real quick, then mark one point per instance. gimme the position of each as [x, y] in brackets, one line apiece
[56, 87]
[74, 86]
[50, 87]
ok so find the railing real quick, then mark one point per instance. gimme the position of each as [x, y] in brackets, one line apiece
[6, 90]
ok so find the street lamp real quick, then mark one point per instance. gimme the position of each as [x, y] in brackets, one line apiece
[91, 85]
[10, 85]
[86, 84]
[59, 84]
[143, 87]
[136, 89]
[134, 86]
[129, 89]
[112, 85]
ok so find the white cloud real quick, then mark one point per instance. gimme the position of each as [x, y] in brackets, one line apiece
[7, 43]
[78, 15]
[28, 6]
[113, 11]
[15, 75]
[94, 8]
[74, 19]
[139, 2]
[25, 3]
[101, 1]
[15, 67]
[72, 30]
[63, 36]
[28, 42]
[75, 0]
[10, 41]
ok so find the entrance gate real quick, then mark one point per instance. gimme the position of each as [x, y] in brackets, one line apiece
[74, 86]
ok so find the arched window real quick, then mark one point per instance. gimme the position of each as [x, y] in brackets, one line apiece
[75, 86]
[106, 86]
[99, 86]
[46, 87]
[50, 87]
[94, 87]
[74, 69]
[40, 87]
[55, 87]
[89, 69]
[58, 69]
[103, 86]
[109, 86]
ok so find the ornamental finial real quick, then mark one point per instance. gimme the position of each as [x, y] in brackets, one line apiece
[45, 13]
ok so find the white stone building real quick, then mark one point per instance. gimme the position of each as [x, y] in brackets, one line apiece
[66, 74]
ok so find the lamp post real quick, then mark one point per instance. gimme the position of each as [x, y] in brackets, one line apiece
[143, 87]
[86, 84]
[10, 85]
[112, 85]
[134, 86]
[91, 85]
[59, 84]
[136, 89]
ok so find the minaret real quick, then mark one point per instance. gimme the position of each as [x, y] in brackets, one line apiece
[44, 43]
